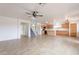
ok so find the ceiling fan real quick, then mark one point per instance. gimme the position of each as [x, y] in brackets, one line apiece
[34, 14]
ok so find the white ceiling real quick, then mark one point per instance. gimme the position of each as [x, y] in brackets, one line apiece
[50, 10]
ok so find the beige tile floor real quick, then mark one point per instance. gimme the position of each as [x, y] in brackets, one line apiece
[42, 45]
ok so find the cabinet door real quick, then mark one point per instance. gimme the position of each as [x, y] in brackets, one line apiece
[73, 29]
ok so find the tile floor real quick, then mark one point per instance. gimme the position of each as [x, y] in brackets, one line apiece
[42, 45]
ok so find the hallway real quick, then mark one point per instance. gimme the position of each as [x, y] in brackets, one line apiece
[43, 45]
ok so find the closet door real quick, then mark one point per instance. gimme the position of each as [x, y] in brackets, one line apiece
[73, 29]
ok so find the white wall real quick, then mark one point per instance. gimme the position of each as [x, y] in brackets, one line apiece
[10, 28]
[78, 29]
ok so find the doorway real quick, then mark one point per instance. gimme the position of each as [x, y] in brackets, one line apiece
[24, 29]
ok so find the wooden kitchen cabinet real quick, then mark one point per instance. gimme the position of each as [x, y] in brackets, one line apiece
[62, 33]
[73, 29]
